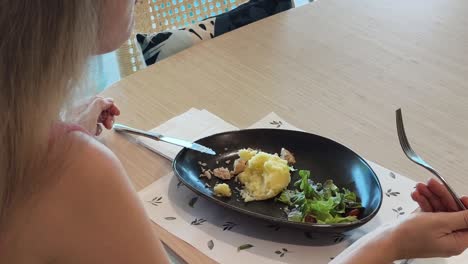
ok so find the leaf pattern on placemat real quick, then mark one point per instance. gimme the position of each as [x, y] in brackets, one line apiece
[398, 211]
[244, 247]
[156, 201]
[278, 124]
[282, 252]
[391, 193]
[198, 221]
[210, 244]
[338, 238]
[392, 175]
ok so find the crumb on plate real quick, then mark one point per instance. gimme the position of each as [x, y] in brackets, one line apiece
[288, 156]
[222, 173]
[207, 174]
[222, 190]
[239, 166]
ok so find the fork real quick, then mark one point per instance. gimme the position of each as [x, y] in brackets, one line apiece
[409, 152]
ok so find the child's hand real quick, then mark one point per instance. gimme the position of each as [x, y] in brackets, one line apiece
[96, 112]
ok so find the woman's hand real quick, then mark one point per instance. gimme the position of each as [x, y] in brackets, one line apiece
[434, 197]
[424, 235]
[441, 231]
[95, 112]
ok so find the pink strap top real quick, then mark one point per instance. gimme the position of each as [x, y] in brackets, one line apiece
[69, 127]
[61, 128]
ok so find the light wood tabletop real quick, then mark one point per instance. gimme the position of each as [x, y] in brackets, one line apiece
[336, 68]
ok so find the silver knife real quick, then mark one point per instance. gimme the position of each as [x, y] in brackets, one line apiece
[159, 137]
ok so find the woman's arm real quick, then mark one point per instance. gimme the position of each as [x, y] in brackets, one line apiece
[421, 235]
[374, 248]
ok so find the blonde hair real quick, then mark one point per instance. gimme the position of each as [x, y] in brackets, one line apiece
[43, 54]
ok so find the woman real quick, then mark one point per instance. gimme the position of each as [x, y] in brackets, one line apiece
[64, 197]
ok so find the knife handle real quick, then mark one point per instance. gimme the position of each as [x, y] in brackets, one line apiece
[134, 131]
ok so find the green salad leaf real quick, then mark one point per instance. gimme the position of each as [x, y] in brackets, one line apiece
[306, 187]
[320, 203]
[286, 197]
[295, 215]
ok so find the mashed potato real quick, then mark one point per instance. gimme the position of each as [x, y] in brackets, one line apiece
[247, 154]
[265, 175]
[222, 189]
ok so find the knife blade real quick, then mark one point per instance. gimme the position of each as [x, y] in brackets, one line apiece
[159, 137]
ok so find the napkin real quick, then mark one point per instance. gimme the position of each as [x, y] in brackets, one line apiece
[229, 237]
[192, 125]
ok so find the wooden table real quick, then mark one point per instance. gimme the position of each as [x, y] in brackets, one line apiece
[335, 68]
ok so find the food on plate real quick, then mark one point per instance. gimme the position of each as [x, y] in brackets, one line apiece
[246, 154]
[222, 190]
[262, 175]
[239, 166]
[206, 173]
[265, 175]
[288, 156]
[320, 203]
[222, 173]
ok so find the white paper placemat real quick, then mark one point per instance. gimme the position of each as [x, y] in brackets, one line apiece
[192, 125]
[229, 237]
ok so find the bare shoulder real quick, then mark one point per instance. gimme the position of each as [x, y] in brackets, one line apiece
[92, 165]
[94, 211]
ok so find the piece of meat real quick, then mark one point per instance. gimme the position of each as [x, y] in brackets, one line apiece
[206, 174]
[310, 219]
[222, 173]
[239, 166]
[288, 156]
[355, 212]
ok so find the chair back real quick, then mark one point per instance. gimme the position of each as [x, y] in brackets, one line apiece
[153, 16]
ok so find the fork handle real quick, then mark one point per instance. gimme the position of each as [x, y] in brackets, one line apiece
[451, 191]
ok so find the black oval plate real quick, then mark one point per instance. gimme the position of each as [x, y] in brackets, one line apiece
[325, 158]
